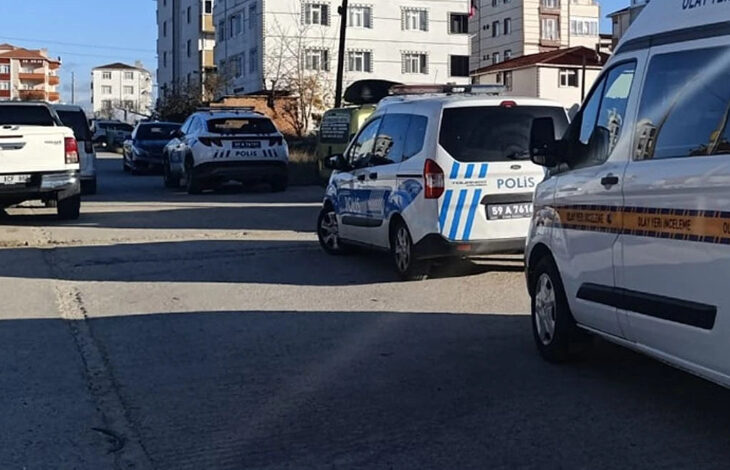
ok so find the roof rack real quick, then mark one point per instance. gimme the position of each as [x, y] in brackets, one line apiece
[449, 89]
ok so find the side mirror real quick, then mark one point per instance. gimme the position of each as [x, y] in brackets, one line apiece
[336, 162]
[543, 146]
[176, 134]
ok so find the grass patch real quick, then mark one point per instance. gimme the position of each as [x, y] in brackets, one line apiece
[303, 168]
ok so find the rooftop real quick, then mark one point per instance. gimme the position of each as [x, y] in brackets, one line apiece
[119, 66]
[575, 56]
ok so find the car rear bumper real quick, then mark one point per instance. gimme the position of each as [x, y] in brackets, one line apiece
[243, 171]
[435, 246]
[43, 185]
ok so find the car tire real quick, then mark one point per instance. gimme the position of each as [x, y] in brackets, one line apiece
[328, 232]
[401, 250]
[556, 334]
[88, 187]
[69, 208]
[168, 178]
[192, 182]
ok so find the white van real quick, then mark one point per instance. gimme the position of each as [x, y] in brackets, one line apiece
[437, 172]
[631, 234]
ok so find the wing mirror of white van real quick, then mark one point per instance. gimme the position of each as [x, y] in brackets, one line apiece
[336, 162]
[543, 145]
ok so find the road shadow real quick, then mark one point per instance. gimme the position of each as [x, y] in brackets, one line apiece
[231, 390]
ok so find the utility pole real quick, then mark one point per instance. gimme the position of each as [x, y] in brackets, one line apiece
[73, 87]
[341, 53]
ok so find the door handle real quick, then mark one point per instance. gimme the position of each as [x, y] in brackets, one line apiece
[609, 180]
[361, 177]
[373, 176]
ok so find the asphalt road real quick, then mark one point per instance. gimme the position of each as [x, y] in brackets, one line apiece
[167, 331]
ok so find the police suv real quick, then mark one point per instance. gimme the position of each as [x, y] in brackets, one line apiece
[437, 172]
[631, 233]
[217, 145]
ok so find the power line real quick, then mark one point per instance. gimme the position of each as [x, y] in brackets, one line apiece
[76, 44]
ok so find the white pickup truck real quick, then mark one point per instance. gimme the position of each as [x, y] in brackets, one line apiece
[39, 158]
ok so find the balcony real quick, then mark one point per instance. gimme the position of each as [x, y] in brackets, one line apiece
[34, 95]
[54, 80]
[207, 24]
[32, 77]
[550, 7]
[208, 59]
[53, 96]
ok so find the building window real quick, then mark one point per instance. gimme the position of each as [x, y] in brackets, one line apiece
[221, 30]
[459, 66]
[106, 75]
[316, 60]
[508, 80]
[188, 15]
[549, 30]
[495, 28]
[242, 63]
[164, 29]
[106, 90]
[208, 7]
[188, 47]
[128, 90]
[129, 75]
[414, 62]
[106, 104]
[164, 59]
[458, 23]
[253, 60]
[317, 13]
[234, 25]
[4, 69]
[359, 61]
[360, 17]
[252, 13]
[568, 78]
[495, 58]
[553, 4]
[507, 26]
[4, 86]
[583, 26]
[414, 19]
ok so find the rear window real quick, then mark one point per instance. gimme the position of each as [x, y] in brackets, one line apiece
[156, 131]
[25, 116]
[114, 126]
[76, 120]
[335, 128]
[494, 133]
[241, 126]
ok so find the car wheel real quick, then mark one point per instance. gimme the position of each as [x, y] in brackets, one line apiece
[69, 208]
[328, 232]
[401, 248]
[170, 180]
[192, 183]
[556, 334]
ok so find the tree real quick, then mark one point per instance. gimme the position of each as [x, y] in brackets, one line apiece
[186, 98]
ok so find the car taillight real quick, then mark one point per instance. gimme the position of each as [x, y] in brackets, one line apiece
[72, 150]
[433, 175]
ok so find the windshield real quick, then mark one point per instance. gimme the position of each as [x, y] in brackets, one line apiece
[156, 131]
[76, 120]
[494, 133]
[25, 115]
[241, 126]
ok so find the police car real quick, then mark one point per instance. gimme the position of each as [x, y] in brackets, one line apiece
[217, 145]
[631, 233]
[437, 172]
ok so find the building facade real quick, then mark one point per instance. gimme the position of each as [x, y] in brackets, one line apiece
[27, 74]
[121, 91]
[505, 29]
[266, 44]
[622, 19]
[185, 43]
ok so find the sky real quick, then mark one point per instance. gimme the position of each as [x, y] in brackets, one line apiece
[89, 33]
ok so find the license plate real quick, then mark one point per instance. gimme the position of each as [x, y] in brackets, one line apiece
[247, 144]
[509, 211]
[14, 179]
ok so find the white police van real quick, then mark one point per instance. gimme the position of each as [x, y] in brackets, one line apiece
[631, 234]
[437, 172]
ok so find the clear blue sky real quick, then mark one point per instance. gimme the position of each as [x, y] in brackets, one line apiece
[88, 33]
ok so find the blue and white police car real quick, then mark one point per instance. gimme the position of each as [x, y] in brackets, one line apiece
[437, 172]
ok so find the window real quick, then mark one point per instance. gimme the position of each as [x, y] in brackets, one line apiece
[508, 80]
[360, 17]
[583, 26]
[188, 47]
[495, 58]
[568, 78]
[242, 63]
[596, 130]
[106, 75]
[549, 29]
[359, 61]
[164, 59]
[106, 104]
[316, 59]
[164, 29]
[416, 136]
[495, 28]
[458, 23]
[128, 90]
[362, 149]
[234, 25]
[459, 65]
[414, 62]
[208, 7]
[685, 105]
[129, 75]
[253, 60]
[252, 14]
[5, 69]
[507, 26]
[4, 86]
[508, 54]
[317, 13]
[188, 15]
[238, 66]
[106, 90]
[414, 19]
[391, 140]
[221, 30]
[550, 3]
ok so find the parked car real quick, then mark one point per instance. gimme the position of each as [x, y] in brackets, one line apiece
[110, 134]
[39, 158]
[74, 117]
[631, 237]
[437, 173]
[144, 149]
[226, 144]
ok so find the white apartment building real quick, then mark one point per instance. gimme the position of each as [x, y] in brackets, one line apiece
[504, 29]
[117, 87]
[185, 42]
[262, 44]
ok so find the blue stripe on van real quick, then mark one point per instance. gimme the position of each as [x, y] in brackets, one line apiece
[445, 209]
[454, 170]
[457, 214]
[472, 212]
[483, 170]
[469, 170]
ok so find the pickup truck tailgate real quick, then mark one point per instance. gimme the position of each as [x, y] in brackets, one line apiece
[27, 149]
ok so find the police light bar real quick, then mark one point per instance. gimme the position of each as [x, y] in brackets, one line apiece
[450, 89]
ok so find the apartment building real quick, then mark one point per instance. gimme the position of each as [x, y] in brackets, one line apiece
[117, 89]
[265, 44]
[185, 42]
[28, 74]
[505, 29]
